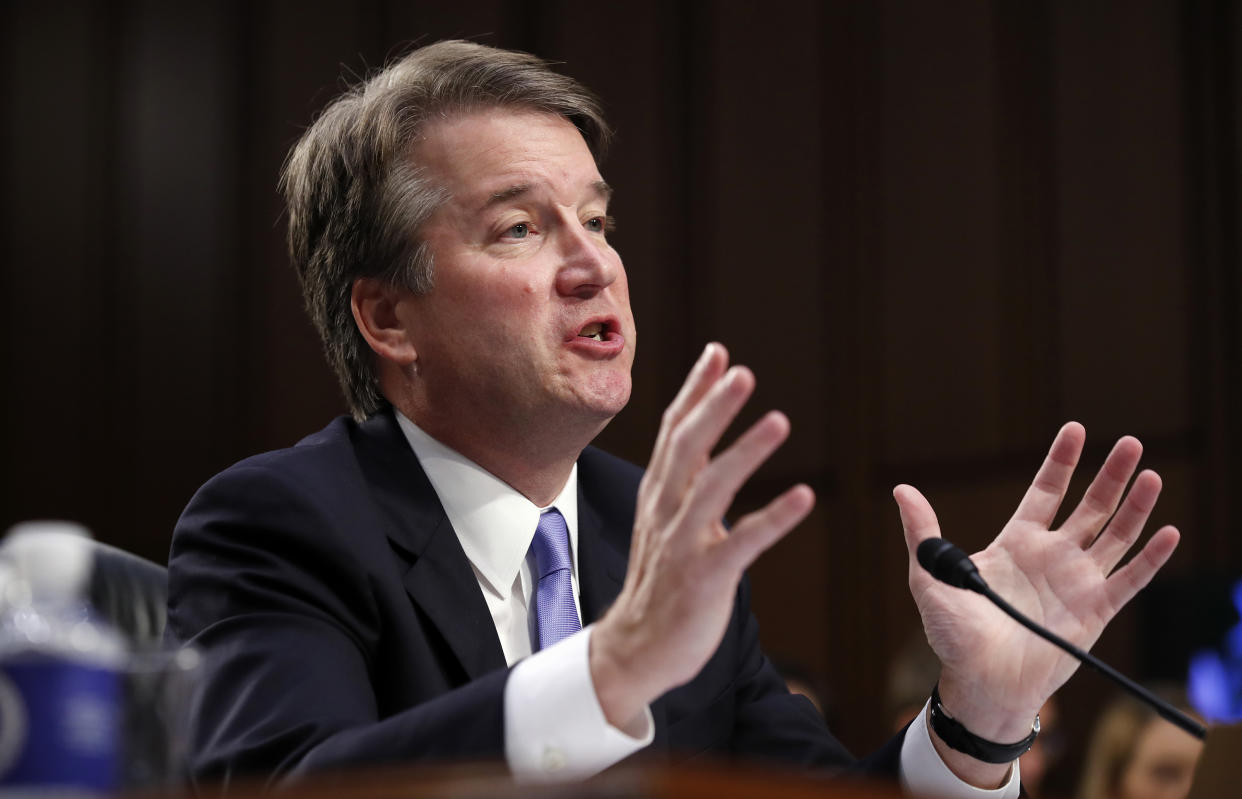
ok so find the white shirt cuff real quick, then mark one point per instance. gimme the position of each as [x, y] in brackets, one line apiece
[554, 727]
[923, 773]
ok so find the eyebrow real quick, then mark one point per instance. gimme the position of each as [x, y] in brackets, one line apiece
[504, 195]
[600, 187]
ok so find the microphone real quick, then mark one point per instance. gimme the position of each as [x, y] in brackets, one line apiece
[950, 565]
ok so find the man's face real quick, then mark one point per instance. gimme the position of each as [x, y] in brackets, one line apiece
[529, 318]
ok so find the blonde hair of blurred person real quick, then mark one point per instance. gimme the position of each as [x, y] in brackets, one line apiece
[1135, 754]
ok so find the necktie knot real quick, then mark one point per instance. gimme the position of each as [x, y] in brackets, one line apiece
[551, 544]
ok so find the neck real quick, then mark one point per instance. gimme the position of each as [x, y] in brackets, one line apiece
[533, 452]
[537, 473]
[535, 463]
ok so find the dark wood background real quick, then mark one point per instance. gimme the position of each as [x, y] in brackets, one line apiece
[934, 230]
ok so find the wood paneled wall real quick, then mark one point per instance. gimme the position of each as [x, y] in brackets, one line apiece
[935, 231]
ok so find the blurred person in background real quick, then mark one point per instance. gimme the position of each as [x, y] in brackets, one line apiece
[914, 667]
[1135, 754]
[1046, 750]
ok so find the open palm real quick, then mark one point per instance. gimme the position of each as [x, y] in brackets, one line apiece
[996, 674]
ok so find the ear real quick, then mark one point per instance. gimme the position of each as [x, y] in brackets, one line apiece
[375, 306]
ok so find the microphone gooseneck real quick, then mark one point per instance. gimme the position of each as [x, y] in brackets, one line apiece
[951, 565]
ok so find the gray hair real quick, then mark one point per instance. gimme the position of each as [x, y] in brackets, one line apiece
[357, 200]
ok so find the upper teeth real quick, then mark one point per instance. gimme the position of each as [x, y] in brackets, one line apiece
[594, 330]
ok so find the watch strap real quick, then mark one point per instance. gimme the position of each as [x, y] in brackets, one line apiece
[953, 733]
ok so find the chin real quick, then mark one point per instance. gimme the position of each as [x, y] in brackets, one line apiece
[605, 396]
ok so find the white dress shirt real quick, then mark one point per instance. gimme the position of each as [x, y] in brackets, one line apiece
[554, 726]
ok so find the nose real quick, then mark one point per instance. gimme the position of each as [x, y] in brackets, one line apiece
[588, 264]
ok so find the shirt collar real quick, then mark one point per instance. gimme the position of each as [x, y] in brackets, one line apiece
[494, 522]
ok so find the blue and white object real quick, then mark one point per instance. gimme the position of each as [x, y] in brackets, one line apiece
[61, 690]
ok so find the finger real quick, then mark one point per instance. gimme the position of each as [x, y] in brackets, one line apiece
[715, 486]
[1127, 581]
[755, 532]
[698, 433]
[1105, 492]
[1124, 529]
[703, 375]
[705, 372]
[1042, 499]
[918, 520]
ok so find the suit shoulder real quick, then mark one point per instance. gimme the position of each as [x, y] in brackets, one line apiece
[321, 445]
[321, 456]
[596, 464]
[292, 514]
[274, 484]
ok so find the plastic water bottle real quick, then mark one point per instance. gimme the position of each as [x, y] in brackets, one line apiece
[61, 689]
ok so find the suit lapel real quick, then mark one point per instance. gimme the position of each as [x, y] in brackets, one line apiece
[439, 578]
[601, 569]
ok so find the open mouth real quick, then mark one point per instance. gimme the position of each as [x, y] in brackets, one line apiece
[595, 330]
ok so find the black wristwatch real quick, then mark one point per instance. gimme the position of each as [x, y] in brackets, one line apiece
[963, 740]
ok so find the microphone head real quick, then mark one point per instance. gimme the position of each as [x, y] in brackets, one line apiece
[948, 564]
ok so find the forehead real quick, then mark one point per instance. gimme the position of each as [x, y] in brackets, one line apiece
[477, 154]
[1162, 741]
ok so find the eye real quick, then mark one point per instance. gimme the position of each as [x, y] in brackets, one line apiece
[600, 224]
[519, 231]
[1168, 773]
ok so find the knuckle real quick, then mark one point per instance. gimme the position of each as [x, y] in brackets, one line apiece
[1096, 505]
[681, 441]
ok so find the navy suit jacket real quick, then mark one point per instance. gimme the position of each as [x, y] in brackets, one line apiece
[341, 623]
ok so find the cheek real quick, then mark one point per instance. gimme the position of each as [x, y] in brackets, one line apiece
[511, 287]
[1132, 785]
[620, 290]
[507, 302]
[622, 283]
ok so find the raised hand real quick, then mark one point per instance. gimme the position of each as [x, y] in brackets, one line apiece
[684, 565]
[996, 674]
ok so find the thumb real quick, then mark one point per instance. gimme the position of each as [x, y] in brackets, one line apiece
[918, 520]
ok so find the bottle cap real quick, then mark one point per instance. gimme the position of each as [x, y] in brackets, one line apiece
[53, 557]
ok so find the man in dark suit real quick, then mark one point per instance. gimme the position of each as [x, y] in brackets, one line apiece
[408, 584]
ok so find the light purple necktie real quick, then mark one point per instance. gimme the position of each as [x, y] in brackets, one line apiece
[554, 592]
